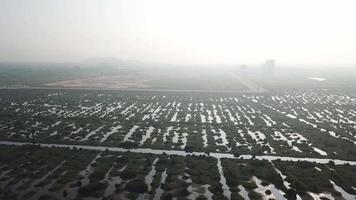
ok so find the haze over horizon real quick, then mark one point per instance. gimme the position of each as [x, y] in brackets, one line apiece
[179, 32]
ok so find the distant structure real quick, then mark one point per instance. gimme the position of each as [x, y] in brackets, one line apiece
[243, 68]
[268, 67]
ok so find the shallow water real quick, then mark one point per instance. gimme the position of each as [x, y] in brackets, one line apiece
[243, 193]
[225, 187]
[159, 190]
[344, 194]
[150, 175]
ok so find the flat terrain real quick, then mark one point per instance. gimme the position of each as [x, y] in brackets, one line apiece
[300, 124]
[152, 80]
[32, 172]
[120, 134]
[120, 78]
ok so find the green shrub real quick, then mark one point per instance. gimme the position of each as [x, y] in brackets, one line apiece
[137, 186]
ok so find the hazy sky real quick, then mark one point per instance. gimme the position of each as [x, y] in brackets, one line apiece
[180, 31]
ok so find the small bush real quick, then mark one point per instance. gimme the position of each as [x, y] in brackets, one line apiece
[137, 186]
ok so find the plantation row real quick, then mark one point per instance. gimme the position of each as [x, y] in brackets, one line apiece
[289, 123]
[32, 172]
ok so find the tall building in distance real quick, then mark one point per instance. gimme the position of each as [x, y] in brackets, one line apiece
[268, 67]
[243, 68]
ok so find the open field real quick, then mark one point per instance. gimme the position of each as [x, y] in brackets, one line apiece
[159, 80]
[109, 77]
[35, 75]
